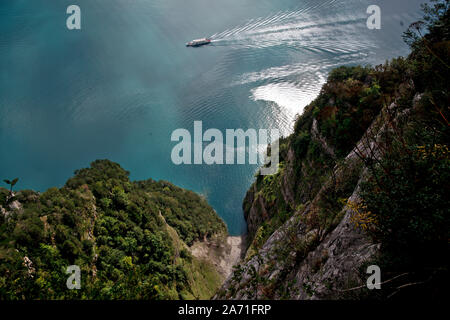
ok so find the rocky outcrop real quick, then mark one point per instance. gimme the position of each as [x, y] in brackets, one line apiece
[299, 262]
[258, 211]
[323, 142]
[29, 265]
[223, 255]
[288, 184]
[333, 264]
[12, 205]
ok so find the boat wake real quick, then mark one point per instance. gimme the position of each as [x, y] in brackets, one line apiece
[321, 35]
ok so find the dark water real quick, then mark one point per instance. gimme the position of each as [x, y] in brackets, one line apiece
[120, 86]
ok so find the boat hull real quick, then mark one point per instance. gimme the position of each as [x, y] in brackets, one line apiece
[198, 43]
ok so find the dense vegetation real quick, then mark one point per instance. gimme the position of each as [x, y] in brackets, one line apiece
[129, 239]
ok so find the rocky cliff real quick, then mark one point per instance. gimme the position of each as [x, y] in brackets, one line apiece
[343, 196]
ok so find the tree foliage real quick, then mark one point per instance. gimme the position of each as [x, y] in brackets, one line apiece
[114, 229]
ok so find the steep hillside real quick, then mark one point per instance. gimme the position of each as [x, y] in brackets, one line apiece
[130, 239]
[362, 180]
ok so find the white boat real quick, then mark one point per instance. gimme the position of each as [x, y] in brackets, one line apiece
[198, 42]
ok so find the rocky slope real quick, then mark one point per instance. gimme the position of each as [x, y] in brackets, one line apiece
[223, 255]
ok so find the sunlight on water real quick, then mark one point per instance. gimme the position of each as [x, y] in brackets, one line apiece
[286, 95]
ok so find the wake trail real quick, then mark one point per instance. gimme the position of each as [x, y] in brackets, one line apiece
[284, 28]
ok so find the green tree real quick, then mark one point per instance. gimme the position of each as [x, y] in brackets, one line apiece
[11, 183]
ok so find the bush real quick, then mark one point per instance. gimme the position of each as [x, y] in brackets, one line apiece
[409, 196]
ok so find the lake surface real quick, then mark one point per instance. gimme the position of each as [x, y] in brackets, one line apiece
[119, 87]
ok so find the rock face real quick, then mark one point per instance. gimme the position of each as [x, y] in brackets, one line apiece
[13, 205]
[307, 258]
[318, 137]
[257, 213]
[299, 263]
[343, 250]
[222, 254]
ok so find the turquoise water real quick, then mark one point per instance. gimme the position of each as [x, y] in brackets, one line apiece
[120, 86]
